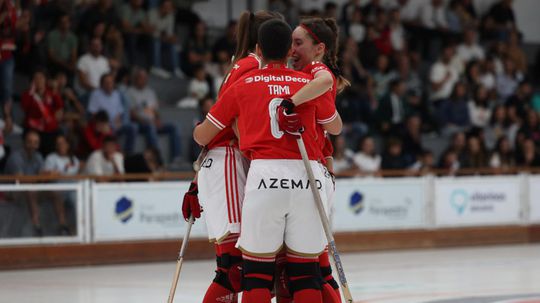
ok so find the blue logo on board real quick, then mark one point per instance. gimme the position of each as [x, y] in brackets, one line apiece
[356, 202]
[459, 199]
[124, 209]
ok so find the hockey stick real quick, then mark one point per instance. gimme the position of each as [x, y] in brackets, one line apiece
[180, 260]
[326, 225]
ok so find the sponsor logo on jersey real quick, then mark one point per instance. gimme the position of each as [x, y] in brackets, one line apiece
[272, 78]
[276, 183]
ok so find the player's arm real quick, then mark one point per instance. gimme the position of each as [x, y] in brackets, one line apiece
[321, 83]
[334, 125]
[205, 132]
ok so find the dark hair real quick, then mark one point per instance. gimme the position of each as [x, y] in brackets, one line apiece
[326, 32]
[275, 39]
[248, 30]
[102, 79]
[109, 139]
[101, 116]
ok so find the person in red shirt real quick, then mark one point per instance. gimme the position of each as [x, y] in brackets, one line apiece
[43, 112]
[221, 180]
[8, 22]
[94, 134]
[278, 205]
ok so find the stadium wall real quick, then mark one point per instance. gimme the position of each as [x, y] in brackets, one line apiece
[141, 221]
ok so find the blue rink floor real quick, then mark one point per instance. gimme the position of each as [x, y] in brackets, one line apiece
[496, 274]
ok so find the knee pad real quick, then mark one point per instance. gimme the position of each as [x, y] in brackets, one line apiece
[304, 276]
[258, 275]
[229, 273]
[328, 278]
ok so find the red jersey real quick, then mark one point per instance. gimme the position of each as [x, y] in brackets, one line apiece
[328, 99]
[239, 69]
[40, 111]
[253, 101]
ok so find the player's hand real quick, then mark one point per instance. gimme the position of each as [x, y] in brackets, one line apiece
[288, 120]
[190, 204]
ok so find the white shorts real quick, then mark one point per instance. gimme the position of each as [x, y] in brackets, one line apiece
[221, 181]
[279, 208]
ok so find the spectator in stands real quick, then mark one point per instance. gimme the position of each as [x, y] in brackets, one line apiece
[347, 13]
[413, 86]
[8, 23]
[224, 47]
[442, 76]
[162, 22]
[480, 107]
[343, 157]
[62, 47]
[458, 144]
[424, 164]
[530, 129]
[393, 158]
[521, 99]
[508, 81]
[454, 112]
[476, 155]
[135, 28]
[528, 155]
[95, 132]
[370, 52]
[449, 161]
[28, 161]
[514, 125]
[197, 50]
[502, 157]
[330, 10]
[108, 98]
[367, 160]
[488, 74]
[383, 75]
[199, 87]
[90, 68]
[61, 163]
[148, 161]
[371, 10]
[515, 52]
[434, 26]
[356, 28]
[497, 127]
[470, 49]
[397, 31]
[43, 111]
[74, 115]
[99, 11]
[391, 109]
[106, 161]
[412, 139]
[499, 20]
[145, 112]
[113, 42]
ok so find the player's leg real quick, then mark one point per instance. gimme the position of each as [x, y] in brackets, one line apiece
[221, 180]
[330, 289]
[304, 237]
[227, 282]
[263, 226]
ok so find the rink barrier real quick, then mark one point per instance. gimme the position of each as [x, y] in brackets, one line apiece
[369, 214]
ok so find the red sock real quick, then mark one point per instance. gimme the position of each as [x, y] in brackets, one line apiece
[283, 294]
[219, 294]
[329, 294]
[257, 295]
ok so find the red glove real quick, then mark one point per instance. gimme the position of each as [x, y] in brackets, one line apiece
[288, 120]
[190, 205]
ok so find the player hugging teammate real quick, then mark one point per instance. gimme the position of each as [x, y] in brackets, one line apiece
[274, 200]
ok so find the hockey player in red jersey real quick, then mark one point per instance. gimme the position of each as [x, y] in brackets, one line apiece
[221, 180]
[278, 206]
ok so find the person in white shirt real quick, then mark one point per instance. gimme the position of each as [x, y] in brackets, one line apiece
[106, 161]
[470, 49]
[367, 160]
[162, 22]
[144, 111]
[90, 68]
[443, 76]
[433, 15]
[480, 108]
[63, 163]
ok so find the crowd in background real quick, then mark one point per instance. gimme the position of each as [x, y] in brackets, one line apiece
[439, 70]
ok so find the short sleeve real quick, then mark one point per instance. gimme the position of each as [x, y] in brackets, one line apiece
[49, 163]
[326, 109]
[225, 110]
